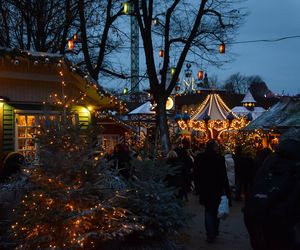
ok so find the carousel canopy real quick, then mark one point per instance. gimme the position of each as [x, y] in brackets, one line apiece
[243, 111]
[248, 98]
[252, 111]
[213, 107]
[283, 115]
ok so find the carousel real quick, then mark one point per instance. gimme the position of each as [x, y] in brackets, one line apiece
[211, 119]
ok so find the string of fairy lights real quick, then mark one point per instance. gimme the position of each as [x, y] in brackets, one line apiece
[61, 65]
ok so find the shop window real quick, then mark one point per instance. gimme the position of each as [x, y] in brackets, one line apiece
[27, 127]
[108, 142]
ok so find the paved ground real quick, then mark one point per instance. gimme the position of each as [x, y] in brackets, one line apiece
[233, 234]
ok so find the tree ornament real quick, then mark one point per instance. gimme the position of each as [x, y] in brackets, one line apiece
[222, 48]
[70, 44]
[161, 53]
[200, 75]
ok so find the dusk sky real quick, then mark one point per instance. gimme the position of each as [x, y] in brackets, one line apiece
[278, 63]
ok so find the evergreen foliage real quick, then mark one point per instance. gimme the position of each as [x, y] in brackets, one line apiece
[153, 203]
[74, 200]
[71, 200]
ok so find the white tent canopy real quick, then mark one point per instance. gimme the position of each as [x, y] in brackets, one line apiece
[144, 109]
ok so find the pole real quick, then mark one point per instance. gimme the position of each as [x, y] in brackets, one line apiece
[134, 56]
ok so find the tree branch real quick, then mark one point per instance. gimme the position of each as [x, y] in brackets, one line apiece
[216, 13]
[167, 44]
[187, 47]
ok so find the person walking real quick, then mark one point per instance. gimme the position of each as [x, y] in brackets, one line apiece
[188, 165]
[229, 162]
[176, 180]
[244, 171]
[272, 207]
[213, 182]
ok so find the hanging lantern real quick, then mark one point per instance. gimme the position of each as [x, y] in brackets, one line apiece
[173, 69]
[222, 48]
[75, 37]
[125, 90]
[127, 8]
[200, 75]
[70, 44]
[161, 53]
[155, 21]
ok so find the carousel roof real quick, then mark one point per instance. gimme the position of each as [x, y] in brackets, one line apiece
[285, 114]
[243, 111]
[214, 107]
[248, 98]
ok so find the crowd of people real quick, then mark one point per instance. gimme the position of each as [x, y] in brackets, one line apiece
[210, 172]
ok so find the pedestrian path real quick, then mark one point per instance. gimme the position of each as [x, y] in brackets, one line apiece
[233, 234]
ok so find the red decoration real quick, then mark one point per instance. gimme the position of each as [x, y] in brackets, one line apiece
[161, 53]
[200, 75]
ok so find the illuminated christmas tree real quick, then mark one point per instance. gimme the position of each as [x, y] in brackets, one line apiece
[71, 203]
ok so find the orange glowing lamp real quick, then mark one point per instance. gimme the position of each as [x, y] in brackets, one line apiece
[70, 44]
[200, 75]
[222, 48]
[161, 53]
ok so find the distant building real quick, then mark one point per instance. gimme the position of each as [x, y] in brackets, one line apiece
[249, 108]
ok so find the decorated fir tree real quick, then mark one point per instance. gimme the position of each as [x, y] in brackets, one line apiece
[71, 203]
[153, 203]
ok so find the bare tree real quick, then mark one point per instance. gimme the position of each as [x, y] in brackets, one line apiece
[258, 87]
[47, 25]
[41, 25]
[237, 84]
[4, 25]
[213, 81]
[99, 34]
[185, 28]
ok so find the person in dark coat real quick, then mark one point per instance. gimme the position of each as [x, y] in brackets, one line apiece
[213, 183]
[176, 179]
[260, 158]
[269, 233]
[123, 158]
[244, 172]
[198, 151]
[188, 165]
